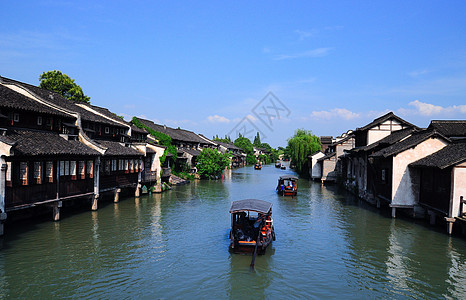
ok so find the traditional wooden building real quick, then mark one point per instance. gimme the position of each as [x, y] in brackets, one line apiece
[361, 179]
[330, 164]
[393, 181]
[238, 158]
[54, 150]
[442, 183]
[366, 139]
[189, 145]
[315, 169]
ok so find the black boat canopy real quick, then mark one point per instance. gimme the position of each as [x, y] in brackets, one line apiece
[289, 177]
[256, 205]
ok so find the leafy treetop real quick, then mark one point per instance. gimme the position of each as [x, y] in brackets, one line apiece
[62, 84]
[300, 146]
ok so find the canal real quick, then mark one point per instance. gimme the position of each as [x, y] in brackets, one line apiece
[175, 245]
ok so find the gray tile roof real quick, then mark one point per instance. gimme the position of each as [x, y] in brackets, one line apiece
[326, 139]
[62, 102]
[382, 119]
[394, 137]
[327, 156]
[33, 143]
[342, 140]
[229, 146]
[449, 128]
[117, 149]
[450, 155]
[180, 135]
[14, 100]
[193, 152]
[410, 142]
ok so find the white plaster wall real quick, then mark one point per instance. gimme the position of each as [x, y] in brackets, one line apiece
[156, 161]
[402, 187]
[459, 189]
[385, 129]
[376, 135]
[328, 167]
[316, 169]
[349, 144]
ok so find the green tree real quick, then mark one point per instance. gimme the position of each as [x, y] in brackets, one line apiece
[212, 163]
[246, 145]
[62, 84]
[257, 140]
[300, 146]
[162, 139]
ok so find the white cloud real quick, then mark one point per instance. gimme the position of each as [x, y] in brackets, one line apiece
[217, 119]
[427, 109]
[318, 52]
[305, 34]
[335, 113]
[417, 73]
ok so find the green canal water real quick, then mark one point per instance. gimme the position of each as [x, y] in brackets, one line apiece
[175, 245]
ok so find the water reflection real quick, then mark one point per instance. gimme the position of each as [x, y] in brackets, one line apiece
[175, 245]
[253, 283]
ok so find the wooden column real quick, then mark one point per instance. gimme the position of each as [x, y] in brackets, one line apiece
[2, 194]
[2, 220]
[116, 199]
[450, 222]
[137, 193]
[95, 199]
[56, 210]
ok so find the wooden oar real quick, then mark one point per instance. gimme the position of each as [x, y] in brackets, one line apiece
[255, 249]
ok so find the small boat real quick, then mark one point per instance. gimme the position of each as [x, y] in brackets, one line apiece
[257, 166]
[251, 226]
[283, 167]
[278, 164]
[288, 185]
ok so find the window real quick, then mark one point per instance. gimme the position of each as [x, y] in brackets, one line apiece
[114, 164]
[67, 168]
[62, 168]
[39, 120]
[23, 173]
[37, 172]
[81, 170]
[126, 166]
[49, 171]
[107, 166]
[107, 130]
[49, 122]
[384, 175]
[16, 117]
[131, 165]
[122, 131]
[73, 170]
[90, 169]
[8, 173]
[136, 165]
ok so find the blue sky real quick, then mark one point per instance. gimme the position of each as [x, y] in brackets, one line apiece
[206, 65]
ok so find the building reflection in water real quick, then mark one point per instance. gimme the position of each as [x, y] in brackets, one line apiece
[399, 244]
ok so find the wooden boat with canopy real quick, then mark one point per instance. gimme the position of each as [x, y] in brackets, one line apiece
[287, 185]
[278, 164]
[257, 166]
[251, 226]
